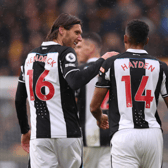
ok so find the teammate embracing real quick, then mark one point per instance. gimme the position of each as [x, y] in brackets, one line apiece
[48, 79]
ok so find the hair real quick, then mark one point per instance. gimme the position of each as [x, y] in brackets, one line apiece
[93, 37]
[137, 31]
[65, 20]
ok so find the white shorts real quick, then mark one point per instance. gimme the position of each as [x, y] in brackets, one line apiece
[132, 148]
[56, 153]
[96, 157]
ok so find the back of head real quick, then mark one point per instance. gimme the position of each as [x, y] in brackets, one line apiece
[94, 37]
[137, 32]
[65, 20]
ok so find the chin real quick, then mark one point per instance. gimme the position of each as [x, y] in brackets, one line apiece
[73, 46]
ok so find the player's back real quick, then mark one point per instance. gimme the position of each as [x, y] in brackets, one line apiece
[136, 82]
[51, 113]
[93, 136]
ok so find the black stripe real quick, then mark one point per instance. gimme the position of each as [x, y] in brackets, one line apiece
[136, 75]
[82, 111]
[69, 107]
[157, 92]
[29, 165]
[114, 115]
[43, 129]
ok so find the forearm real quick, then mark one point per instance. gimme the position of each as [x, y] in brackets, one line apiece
[97, 113]
[77, 79]
[21, 108]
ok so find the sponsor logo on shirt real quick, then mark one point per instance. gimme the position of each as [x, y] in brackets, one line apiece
[70, 57]
[70, 65]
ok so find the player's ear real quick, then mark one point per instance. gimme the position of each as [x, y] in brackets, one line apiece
[61, 30]
[147, 40]
[125, 38]
[92, 47]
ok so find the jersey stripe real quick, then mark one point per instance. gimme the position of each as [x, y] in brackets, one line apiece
[135, 82]
[52, 103]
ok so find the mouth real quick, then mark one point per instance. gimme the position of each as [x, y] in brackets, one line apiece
[75, 43]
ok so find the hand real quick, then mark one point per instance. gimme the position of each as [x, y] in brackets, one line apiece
[109, 54]
[103, 123]
[25, 139]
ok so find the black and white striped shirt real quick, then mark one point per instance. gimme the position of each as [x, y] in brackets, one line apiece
[93, 136]
[135, 80]
[49, 75]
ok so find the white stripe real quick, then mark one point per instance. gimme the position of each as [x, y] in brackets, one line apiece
[21, 81]
[92, 132]
[48, 43]
[102, 86]
[31, 103]
[70, 71]
[137, 51]
[54, 105]
[126, 118]
[163, 86]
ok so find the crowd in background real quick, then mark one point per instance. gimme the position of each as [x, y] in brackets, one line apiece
[25, 24]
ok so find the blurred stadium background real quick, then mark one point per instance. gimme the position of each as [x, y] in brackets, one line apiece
[24, 25]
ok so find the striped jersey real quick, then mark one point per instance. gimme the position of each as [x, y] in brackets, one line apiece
[135, 80]
[92, 135]
[52, 103]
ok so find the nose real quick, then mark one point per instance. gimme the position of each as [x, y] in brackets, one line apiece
[79, 37]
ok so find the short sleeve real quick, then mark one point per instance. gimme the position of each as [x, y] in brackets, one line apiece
[104, 76]
[164, 84]
[22, 75]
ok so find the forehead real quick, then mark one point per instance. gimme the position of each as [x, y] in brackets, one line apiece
[77, 27]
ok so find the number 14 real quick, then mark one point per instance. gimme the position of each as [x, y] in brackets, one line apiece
[138, 97]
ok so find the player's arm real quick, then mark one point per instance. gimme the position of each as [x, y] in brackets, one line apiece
[20, 103]
[77, 78]
[98, 97]
[21, 109]
[102, 87]
[166, 101]
[164, 85]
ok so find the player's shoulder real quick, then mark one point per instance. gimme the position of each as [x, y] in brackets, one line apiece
[35, 50]
[162, 63]
[110, 60]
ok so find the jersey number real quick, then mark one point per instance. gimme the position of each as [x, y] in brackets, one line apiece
[138, 97]
[40, 83]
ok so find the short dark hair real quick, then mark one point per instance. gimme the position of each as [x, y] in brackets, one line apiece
[137, 31]
[93, 36]
[65, 20]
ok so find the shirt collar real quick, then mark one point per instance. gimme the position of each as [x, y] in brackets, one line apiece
[140, 51]
[47, 43]
[92, 59]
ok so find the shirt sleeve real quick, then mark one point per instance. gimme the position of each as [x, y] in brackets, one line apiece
[164, 84]
[104, 76]
[75, 77]
[20, 104]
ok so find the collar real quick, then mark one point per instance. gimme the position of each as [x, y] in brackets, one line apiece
[47, 43]
[92, 59]
[140, 51]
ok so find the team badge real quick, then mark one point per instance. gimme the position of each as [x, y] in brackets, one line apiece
[70, 57]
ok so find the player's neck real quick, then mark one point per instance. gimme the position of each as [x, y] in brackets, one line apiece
[58, 41]
[131, 46]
